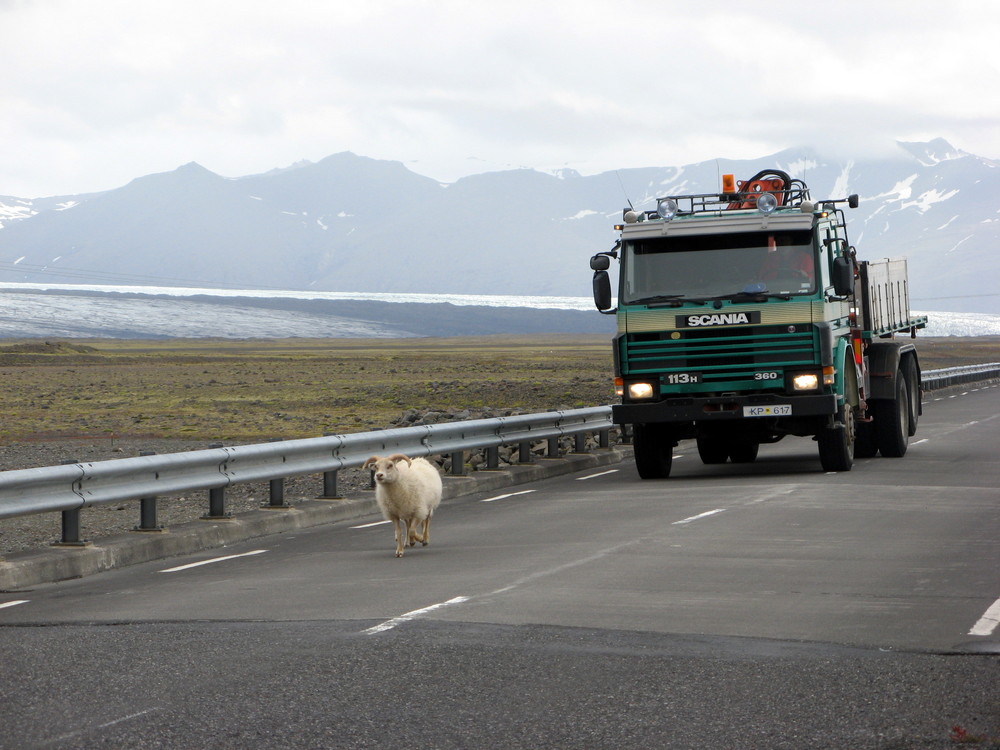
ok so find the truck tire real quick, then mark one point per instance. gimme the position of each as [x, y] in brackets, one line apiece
[909, 368]
[713, 450]
[653, 448]
[744, 451]
[892, 421]
[836, 444]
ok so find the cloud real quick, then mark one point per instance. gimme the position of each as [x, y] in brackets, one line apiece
[98, 93]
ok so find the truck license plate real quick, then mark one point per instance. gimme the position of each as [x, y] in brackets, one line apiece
[774, 410]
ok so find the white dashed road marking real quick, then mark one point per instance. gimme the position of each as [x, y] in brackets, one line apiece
[988, 622]
[594, 476]
[509, 494]
[369, 525]
[213, 560]
[700, 515]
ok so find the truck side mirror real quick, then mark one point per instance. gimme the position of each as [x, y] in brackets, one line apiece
[602, 289]
[842, 275]
[852, 200]
[600, 262]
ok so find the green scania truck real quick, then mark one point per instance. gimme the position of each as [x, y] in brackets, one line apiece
[745, 316]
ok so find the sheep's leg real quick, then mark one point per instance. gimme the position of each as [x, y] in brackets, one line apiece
[413, 535]
[401, 528]
[427, 531]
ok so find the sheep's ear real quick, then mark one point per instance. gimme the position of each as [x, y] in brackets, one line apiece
[369, 462]
[397, 457]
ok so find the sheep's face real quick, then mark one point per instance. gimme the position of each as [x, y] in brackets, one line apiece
[385, 470]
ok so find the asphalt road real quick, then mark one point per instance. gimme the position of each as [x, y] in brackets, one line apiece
[738, 606]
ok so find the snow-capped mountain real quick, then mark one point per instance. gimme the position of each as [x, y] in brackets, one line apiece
[349, 223]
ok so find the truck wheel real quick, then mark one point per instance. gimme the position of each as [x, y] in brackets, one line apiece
[836, 444]
[892, 421]
[909, 369]
[712, 450]
[653, 447]
[744, 452]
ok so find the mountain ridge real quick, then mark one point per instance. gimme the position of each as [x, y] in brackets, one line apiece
[353, 223]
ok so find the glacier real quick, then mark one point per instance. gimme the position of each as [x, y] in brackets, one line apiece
[91, 311]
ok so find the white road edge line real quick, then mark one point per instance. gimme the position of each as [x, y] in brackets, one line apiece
[369, 525]
[390, 624]
[594, 476]
[700, 515]
[14, 603]
[509, 494]
[213, 560]
[988, 622]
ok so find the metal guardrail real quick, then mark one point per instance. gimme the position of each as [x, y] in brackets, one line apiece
[934, 380]
[71, 487]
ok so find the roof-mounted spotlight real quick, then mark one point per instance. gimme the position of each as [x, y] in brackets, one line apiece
[666, 208]
[766, 203]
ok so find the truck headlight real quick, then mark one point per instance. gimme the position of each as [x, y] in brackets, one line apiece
[805, 381]
[640, 391]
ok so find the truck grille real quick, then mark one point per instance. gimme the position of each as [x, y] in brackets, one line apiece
[721, 355]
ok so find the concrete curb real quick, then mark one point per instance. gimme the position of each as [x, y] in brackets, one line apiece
[51, 564]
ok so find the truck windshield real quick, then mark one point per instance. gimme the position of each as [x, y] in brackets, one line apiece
[718, 265]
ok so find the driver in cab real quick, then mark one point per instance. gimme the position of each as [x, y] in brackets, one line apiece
[786, 260]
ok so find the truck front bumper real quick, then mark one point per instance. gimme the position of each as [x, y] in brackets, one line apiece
[723, 408]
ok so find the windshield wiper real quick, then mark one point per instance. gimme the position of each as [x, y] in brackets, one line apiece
[671, 300]
[760, 296]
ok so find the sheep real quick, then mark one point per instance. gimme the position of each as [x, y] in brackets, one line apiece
[407, 491]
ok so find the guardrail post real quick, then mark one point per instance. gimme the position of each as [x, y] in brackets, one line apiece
[277, 489]
[330, 489]
[524, 452]
[216, 504]
[330, 484]
[277, 493]
[580, 442]
[493, 457]
[70, 523]
[216, 499]
[552, 450]
[604, 438]
[147, 508]
[71, 528]
[458, 464]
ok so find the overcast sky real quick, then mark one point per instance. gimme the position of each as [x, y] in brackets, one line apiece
[96, 92]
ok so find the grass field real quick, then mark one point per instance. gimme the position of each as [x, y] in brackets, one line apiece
[249, 390]
[261, 389]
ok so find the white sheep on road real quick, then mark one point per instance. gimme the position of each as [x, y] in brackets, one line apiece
[407, 491]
